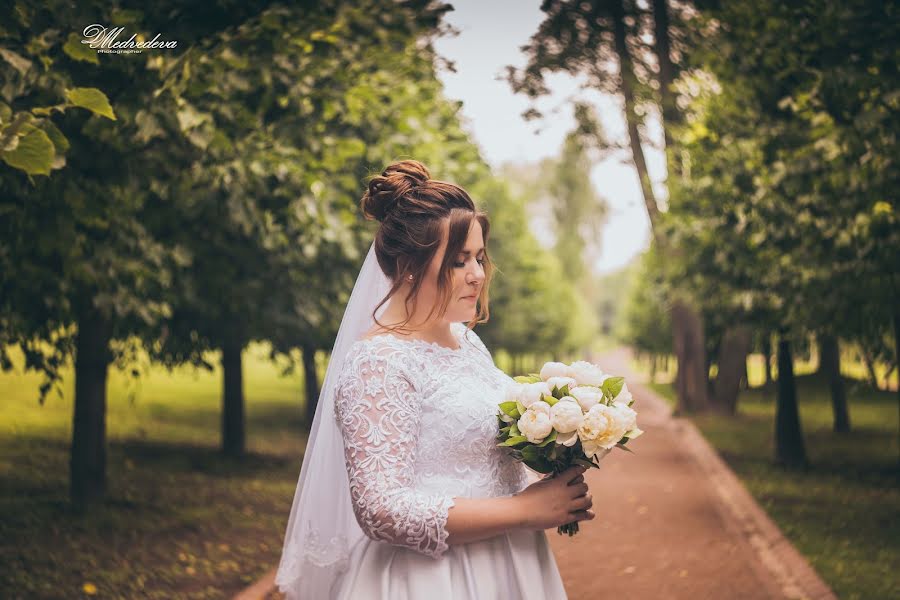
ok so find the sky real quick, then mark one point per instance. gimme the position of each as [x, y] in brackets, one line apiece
[490, 34]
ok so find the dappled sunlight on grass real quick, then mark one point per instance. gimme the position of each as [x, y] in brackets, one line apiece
[181, 520]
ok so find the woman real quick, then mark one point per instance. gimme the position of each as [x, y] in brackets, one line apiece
[403, 492]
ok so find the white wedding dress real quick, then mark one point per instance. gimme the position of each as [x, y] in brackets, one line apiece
[418, 421]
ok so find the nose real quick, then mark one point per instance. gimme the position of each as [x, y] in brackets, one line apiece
[475, 277]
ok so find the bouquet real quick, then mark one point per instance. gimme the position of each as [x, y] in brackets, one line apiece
[566, 415]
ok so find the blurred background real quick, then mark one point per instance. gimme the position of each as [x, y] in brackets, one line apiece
[710, 184]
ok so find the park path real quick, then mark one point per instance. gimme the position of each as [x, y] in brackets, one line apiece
[673, 522]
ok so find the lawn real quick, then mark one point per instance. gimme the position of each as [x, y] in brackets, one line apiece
[181, 521]
[843, 513]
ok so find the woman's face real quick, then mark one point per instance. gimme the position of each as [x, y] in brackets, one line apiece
[468, 277]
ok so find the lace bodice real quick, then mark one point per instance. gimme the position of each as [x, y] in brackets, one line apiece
[419, 422]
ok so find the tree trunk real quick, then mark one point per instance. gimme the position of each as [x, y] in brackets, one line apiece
[311, 378]
[87, 462]
[691, 377]
[233, 398]
[870, 368]
[627, 78]
[830, 361]
[789, 448]
[688, 336]
[666, 69]
[745, 376]
[732, 365]
[767, 355]
[897, 347]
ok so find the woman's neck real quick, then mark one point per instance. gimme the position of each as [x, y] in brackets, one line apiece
[435, 330]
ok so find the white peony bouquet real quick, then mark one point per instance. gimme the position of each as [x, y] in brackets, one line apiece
[566, 415]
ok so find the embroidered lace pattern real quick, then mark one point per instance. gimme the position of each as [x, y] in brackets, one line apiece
[418, 421]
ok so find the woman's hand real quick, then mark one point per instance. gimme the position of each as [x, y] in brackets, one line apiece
[557, 500]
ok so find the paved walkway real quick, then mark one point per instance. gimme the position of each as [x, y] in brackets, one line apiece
[673, 522]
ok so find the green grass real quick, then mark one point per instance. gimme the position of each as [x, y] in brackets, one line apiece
[842, 513]
[181, 520]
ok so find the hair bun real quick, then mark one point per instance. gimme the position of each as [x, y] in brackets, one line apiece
[395, 182]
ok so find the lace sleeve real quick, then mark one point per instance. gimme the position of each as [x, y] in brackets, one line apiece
[377, 410]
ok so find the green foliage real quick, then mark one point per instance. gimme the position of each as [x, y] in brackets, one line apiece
[785, 204]
[645, 323]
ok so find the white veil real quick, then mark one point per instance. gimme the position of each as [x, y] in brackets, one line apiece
[322, 527]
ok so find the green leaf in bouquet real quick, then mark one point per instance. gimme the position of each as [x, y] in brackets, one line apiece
[532, 452]
[539, 465]
[536, 459]
[622, 446]
[505, 429]
[521, 408]
[549, 399]
[510, 408]
[548, 439]
[514, 429]
[516, 439]
[612, 386]
[585, 463]
[564, 391]
[531, 378]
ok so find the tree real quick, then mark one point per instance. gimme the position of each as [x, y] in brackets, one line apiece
[788, 197]
[604, 40]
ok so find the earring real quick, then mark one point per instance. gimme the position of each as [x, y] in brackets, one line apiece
[410, 277]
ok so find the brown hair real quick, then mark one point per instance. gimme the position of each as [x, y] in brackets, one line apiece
[411, 208]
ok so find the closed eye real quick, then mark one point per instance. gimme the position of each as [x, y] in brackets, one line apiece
[460, 265]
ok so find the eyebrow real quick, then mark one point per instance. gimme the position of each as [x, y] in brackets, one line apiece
[467, 253]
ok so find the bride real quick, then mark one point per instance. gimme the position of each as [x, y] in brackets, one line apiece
[403, 493]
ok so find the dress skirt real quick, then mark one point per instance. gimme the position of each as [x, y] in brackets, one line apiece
[515, 565]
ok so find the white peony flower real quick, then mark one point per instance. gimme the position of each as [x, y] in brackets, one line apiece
[586, 396]
[566, 415]
[554, 369]
[628, 415]
[532, 392]
[624, 395]
[567, 439]
[560, 382]
[586, 373]
[602, 428]
[540, 406]
[535, 423]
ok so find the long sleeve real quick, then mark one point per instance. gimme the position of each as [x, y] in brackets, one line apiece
[377, 409]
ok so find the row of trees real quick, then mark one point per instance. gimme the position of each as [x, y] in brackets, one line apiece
[200, 198]
[780, 127]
